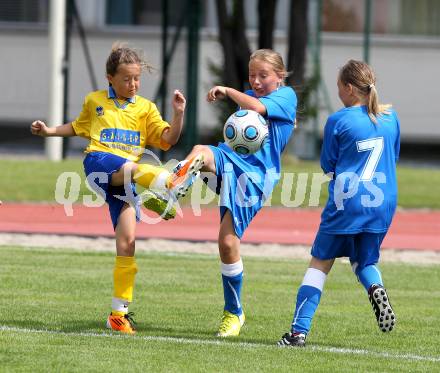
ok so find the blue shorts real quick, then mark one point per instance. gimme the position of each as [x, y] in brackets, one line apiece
[103, 165]
[361, 248]
[242, 202]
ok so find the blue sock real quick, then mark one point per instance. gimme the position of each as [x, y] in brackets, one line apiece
[307, 300]
[232, 276]
[369, 275]
[232, 293]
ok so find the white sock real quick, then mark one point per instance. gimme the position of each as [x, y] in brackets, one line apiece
[314, 277]
[233, 269]
[160, 181]
[120, 305]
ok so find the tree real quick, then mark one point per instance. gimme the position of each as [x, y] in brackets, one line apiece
[296, 59]
[236, 51]
[298, 30]
[266, 23]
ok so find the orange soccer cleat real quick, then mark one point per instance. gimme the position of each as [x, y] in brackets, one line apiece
[184, 175]
[123, 324]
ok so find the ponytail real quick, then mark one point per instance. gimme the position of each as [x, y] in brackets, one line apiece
[361, 76]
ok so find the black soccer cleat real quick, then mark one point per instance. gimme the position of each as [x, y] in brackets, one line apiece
[386, 319]
[292, 340]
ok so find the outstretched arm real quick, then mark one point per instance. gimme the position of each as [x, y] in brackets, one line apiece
[241, 99]
[172, 134]
[40, 128]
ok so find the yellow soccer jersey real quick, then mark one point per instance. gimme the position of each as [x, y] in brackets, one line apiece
[119, 128]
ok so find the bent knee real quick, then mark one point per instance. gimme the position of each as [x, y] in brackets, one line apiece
[228, 247]
[125, 246]
[209, 164]
[199, 149]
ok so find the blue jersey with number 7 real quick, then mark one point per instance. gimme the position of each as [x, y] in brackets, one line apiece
[361, 157]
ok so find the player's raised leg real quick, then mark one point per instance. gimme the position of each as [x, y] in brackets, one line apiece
[154, 179]
[163, 187]
[208, 158]
[175, 184]
[201, 158]
[184, 175]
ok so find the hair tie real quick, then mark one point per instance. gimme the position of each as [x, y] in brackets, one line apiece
[370, 87]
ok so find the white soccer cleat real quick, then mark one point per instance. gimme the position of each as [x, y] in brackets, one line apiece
[184, 175]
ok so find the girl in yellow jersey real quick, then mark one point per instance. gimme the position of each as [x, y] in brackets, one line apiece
[119, 124]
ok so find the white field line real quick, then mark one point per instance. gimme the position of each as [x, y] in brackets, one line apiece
[207, 342]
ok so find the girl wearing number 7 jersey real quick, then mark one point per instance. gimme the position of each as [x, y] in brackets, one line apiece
[360, 150]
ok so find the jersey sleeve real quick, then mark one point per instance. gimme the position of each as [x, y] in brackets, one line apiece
[81, 125]
[281, 104]
[330, 146]
[155, 126]
[397, 142]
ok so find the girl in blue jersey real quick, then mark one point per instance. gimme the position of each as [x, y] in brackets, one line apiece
[119, 125]
[246, 181]
[360, 150]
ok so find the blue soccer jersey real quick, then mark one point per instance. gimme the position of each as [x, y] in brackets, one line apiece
[362, 157]
[248, 180]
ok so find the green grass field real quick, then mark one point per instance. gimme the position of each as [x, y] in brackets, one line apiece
[35, 180]
[55, 302]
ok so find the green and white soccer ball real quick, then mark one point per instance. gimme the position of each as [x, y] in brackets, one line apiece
[245, 132]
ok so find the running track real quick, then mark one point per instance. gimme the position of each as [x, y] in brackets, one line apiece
[419, 230]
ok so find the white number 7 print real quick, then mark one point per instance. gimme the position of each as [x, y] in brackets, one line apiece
[375, 146]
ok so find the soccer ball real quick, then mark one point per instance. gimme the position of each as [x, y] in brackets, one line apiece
[245, 132]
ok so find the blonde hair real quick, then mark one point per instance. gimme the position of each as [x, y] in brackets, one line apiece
[361, 76]
[273, 58]
[123, 54]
